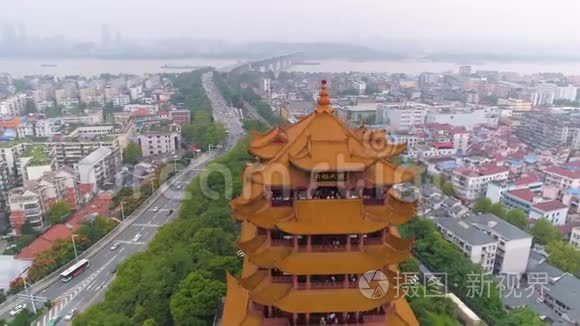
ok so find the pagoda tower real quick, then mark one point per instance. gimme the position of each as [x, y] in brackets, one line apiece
[318, 213]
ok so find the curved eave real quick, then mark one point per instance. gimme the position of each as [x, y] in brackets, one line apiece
[327, 263]
[399, 313]
[395, 211]
[375, 150]
[284, 297]
[326, 216]
[384, 173]
[266, 152]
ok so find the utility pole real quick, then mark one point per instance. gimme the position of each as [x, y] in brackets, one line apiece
[72, 236]
[32, 301]
[123, 211]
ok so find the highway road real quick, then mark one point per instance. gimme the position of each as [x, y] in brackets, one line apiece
[89, 286]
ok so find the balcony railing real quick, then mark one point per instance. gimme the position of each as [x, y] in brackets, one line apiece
[282, 202]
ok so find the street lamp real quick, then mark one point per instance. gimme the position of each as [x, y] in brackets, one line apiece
[72, 236]
[28, 290]
[123, 210]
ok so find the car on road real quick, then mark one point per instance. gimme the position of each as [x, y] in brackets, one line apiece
[17, 309]
[179, 187]
[137, 237]
[54, 320]
[115, 245]
[156, 209]
[71, 314]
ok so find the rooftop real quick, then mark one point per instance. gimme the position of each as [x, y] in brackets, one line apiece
[563, 172]
[548, 206]
[37, 154]
[497, 225]
[95, 156]
[524, 194]
[528, 179]
[465, 231]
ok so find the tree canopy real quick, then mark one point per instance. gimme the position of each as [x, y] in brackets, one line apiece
[564, 256]
[58, 213]
[132, 153]
[196, 299]
[482, 205]
[517, 217]
[544, 232]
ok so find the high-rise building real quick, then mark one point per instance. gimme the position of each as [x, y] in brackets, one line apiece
[319, 213]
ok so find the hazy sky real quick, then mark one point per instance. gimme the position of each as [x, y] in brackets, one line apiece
[457, 23]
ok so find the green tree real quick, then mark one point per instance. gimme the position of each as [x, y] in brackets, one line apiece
[498, 210]
[517, 217]
[30, 107]
[564, 256]
[544, 232]
[448, 189]
[520, 317]
[150, 322]
[132, 153]
[54, 111]
[482, 205]
[196, 298]
[58, 213]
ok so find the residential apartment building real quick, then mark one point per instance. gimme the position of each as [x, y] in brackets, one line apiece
[575, 237]
[36, 160]
[535, 206]
[10, 152]
[513, 244]
[160, 141]
[471, 183]
[548, 129]
[96, 169]
[489, 241]
[93, 118]
[496, 189]
[467, 118]
[12, 105]
[561, 177]
[478, 246]
[402, 116]
[69, 152]
[180, 117]
[31, 202]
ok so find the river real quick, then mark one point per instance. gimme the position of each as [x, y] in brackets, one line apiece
[90, 67]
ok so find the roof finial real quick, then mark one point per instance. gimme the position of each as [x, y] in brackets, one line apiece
[324, 100]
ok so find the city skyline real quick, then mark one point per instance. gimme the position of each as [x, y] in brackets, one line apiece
[433, 26]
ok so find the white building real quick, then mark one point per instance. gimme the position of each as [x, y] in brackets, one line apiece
[471, 184]
[96, 169]
[360, 86]
[561, 178]
[468, 118]
[93, 118]
[566, 92]
[13, 105]
[160, 142]
[513, 244]
[121, 100]
[575, 237]
[401, 117]
[478, 246]
[553, 210]
[496, 189]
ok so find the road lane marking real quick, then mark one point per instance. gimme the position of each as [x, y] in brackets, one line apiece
[148, 225]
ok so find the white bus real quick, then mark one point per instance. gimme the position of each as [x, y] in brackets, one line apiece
[74, 270]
